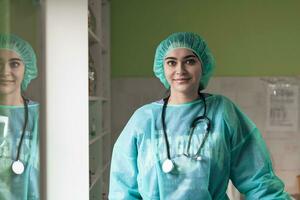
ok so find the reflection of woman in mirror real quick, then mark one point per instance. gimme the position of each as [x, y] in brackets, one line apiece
[190, 144]
[19, 139]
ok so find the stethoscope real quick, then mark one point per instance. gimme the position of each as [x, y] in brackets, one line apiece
[17, 165]
[168, 165]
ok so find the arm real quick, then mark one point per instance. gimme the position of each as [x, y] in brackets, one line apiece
[251, 168]
[34, 173]
[34, 183]
[123, 174]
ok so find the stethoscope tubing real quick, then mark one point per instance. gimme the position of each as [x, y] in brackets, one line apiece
[24, 127]
[17, 165]
[193, 125]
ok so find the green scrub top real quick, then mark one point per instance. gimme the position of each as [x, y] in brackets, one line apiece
[233, 150]
[26, 185]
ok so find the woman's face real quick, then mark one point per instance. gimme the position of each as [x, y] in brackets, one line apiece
[183, 71]
[11, 73]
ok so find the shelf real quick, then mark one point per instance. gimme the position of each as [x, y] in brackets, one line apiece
[100, 101]
[104, 168]
[98, 137]
[95, 180]
[94, 39]
[94, 140]
[104, 133]
[98, 175]
[97, 98]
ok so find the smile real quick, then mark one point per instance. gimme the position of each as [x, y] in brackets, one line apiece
[181, 80]
[6, 81]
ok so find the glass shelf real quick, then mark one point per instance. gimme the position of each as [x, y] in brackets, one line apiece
[98, 137]
[97, 98]
[94, 39]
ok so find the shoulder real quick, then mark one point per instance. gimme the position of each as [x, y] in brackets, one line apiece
[142, 119]
[33, 103]
[222, 105]
[231, 112]
[33, 108]
[146, 111]
[218, 100]
[139, 123]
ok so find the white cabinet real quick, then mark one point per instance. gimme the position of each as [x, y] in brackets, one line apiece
[99, 98]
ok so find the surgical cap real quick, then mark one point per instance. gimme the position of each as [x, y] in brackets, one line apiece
[24, 50]
[190, 41]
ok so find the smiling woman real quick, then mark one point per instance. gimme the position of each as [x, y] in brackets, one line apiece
[183, 72]
[19, 139]
[11, 76]
[189, 144]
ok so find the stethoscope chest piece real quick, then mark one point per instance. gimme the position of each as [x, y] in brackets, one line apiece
[17, 167]
[167, 166]
[198, 158]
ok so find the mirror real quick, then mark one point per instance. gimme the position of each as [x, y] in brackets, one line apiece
[20, 94]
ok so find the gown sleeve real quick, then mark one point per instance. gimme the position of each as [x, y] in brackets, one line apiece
[33, 186]
[251, 169]
[34, 173]
[124, 171]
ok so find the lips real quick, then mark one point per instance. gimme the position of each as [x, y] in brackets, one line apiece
[181, 80]
[6, 81]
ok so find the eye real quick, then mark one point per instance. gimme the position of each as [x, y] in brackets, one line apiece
[14, 64]
[190, 61]
[171, 63]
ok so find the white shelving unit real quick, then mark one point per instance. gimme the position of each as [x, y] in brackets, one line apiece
[99, 100]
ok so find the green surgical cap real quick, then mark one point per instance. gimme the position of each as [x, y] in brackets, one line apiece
[24, 50]
[190, 41]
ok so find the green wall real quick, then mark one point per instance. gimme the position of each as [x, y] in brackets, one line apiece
[21, 17]
[247, 37]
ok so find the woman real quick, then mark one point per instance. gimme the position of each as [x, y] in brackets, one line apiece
[19, 139]
[188, 145]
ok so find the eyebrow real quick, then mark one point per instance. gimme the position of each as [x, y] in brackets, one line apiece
[10, 60]
[15, 59]
[186, 57]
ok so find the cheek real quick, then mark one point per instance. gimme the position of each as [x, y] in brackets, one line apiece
[167, 74]
[200, 72]
[197, 73]
[20, 74]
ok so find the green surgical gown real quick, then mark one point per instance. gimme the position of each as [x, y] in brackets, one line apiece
[26, 185]
[233, 150]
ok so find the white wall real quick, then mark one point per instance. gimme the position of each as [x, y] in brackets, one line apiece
[66, 101]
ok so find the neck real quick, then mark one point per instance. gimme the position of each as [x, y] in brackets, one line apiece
[180, 98]
[11, 100]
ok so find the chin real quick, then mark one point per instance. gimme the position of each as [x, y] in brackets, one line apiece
[6, 91]
[183, 90]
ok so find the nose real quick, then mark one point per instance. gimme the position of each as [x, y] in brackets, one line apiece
[180, 68]
[4, 68]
